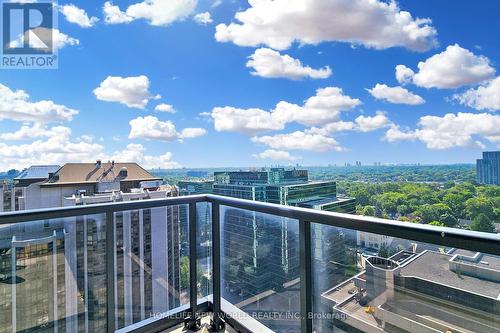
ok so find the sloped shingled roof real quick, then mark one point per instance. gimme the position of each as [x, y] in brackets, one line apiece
[81, 173]
[37, 172]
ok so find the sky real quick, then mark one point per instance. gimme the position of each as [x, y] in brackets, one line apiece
[213, 83]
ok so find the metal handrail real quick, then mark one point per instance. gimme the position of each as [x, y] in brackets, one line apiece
[452, 237]
[464, 239]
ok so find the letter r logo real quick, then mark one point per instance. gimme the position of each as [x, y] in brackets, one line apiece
[27, 28]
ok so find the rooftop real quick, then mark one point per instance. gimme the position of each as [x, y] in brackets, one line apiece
[81, 173]
[435, 267]
[37, 172]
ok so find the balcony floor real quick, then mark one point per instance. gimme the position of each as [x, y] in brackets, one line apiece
[205, 321]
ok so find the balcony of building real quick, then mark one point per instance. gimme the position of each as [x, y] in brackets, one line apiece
[211, 262]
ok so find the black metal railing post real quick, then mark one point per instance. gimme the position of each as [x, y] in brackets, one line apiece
[193, 322]
[110, 269]
[216, 323]
[305, 276]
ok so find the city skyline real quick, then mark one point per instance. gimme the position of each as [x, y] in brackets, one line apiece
[194, 84]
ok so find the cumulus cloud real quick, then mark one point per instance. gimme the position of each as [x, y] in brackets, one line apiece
[453, 68]
[150, 127]
[58, 148]
[275, 155]
[485, 97]
[395, 95]
[31, 131]
[136, 153]
[271, 64]
[372, 23]
[451, 130]
[131, 91]
[203, 18]
[156, 12]
[331, 128]
[368, 124]
[324, 107]
[113, 14]
[15, 105]
[78, 16]
[404, 74]
[299, 140]
[163, 107]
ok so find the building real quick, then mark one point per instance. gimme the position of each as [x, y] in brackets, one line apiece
[429, 291]
[190, 187]
[488, 168]
[35, 174]
[68, 254]
[10, 194]
[260, 252]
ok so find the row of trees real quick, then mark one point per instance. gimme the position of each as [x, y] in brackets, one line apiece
[436, 204]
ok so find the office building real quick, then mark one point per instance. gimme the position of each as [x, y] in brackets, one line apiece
[488, 168]
[261, 251]
[190, 187]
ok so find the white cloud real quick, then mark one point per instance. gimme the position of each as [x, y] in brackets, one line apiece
[276, 155]
[404, 74]
[203, 18]
[485, 97]
[156, 12]
[131, 91]
[28, 131]
[58, 148]
[136, 153]
[451, 130]
[396, 95]
[44, 39]
[455, 67]
[15, 105]
[194, 132]
[368, 124]
[163, 107]
[113, 14]
[271, 64]
[331, 128]
[78, 16]
[324, 107]
[372, 23]
[150, 127]
[299, 140]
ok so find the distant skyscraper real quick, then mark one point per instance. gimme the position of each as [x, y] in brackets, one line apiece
[488, 168]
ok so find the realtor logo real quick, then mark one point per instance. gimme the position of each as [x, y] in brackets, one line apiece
[27, 35]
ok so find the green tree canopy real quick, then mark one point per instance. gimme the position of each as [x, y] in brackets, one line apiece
[482, 223]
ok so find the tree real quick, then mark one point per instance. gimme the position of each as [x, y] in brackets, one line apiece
[479, 205]
[437, 224]
[437, 212]
[383, 251]
[369, 211]
[482, 223]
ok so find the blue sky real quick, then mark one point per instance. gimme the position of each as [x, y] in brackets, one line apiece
[113, 73]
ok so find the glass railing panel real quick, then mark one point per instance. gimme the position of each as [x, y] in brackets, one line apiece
[53, 275]
[204, 249]
[151, 263]
[260, 268]
[375, 283]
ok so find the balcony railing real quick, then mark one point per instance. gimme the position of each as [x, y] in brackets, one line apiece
[144, 266]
